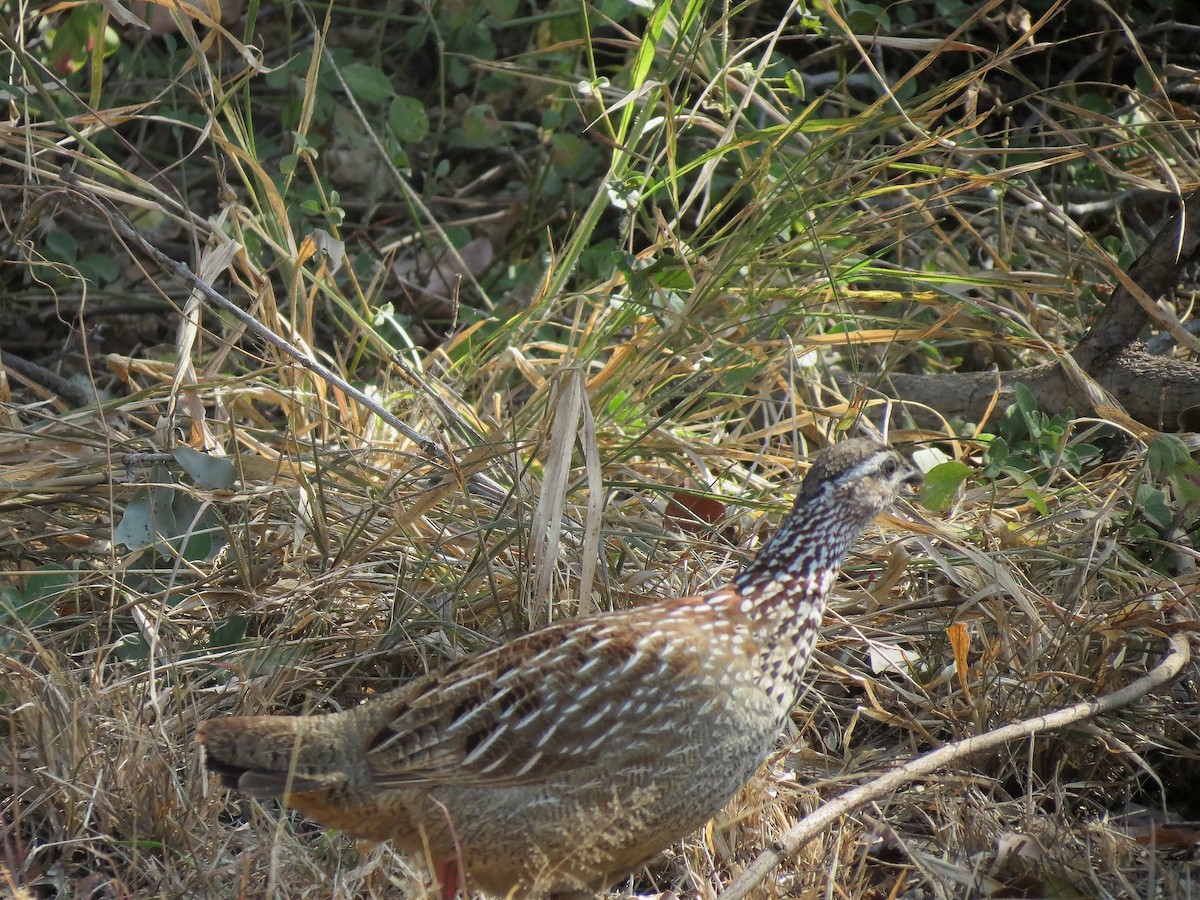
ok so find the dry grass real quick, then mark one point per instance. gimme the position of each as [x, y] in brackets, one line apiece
[353, 556]
[348, 572]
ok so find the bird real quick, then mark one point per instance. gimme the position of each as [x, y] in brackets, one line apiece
[559, 762]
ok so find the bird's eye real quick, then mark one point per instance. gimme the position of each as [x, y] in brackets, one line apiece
[888, 468]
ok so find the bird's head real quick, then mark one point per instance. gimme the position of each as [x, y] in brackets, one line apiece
[859, 477]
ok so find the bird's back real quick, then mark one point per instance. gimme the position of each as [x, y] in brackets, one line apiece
[565, 758]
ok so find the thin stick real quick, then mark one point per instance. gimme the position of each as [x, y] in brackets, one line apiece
[478, 481]
[1178, 654]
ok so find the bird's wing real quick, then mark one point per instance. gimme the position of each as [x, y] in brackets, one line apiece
[552, 700]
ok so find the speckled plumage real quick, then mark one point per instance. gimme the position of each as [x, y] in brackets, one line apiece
[564, 759]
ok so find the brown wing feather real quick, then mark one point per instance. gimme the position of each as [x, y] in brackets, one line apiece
[549, 702]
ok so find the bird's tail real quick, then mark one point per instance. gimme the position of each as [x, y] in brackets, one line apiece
[268, 756]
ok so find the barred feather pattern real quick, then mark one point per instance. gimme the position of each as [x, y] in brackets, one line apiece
[563, 759]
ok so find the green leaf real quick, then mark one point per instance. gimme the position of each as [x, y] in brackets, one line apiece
[71, 43]
[1146, 80]
[867, 18]
[502, 9]
[1028, 407]
[408, 119]
[23, 609]
[480, 127]
[200, 533]
[997, 455]
[48, 582]
[229, 633]
[367, 83]
[570, 155]
[942, 483]
[62, 245]
[1187, 486]
[164, 517]
[1153, 504]
[669, 274]
[1034, 496]
[795, 84]
[99, 269]
[132, 648]
[1168, 457]
[1167, 453]
[146, 516]
[212, 473]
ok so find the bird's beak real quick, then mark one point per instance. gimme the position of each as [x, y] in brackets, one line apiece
[914, 479]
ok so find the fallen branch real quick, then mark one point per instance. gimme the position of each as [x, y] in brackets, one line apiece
[1160, 392]
[1178, 654]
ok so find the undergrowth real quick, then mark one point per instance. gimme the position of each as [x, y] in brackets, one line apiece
[618, 269]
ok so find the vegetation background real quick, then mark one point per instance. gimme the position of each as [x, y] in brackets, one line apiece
[615, 269]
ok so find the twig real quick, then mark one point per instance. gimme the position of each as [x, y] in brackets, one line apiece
[1178, 654]
[40, 375]
[478, 482]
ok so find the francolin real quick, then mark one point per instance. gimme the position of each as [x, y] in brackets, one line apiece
[559, 762]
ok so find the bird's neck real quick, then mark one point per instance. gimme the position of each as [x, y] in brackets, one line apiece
[813, 538]
[783, 593]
